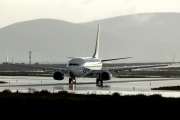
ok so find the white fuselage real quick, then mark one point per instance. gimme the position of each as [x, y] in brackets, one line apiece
[82, 66]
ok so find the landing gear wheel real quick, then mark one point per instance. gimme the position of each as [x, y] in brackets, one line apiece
[97, 81]
[70, 80]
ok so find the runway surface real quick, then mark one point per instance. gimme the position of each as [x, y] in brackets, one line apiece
[123, 86]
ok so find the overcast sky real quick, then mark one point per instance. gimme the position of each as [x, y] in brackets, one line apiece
[77, 11]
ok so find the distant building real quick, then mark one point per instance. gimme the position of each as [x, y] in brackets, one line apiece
[5, 63]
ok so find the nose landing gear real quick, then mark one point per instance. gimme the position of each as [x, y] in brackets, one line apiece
[72, 80]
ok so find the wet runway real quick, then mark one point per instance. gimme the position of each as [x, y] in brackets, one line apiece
[123, 86]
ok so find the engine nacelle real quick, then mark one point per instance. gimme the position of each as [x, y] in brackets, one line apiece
[58, 75]
[106, 75]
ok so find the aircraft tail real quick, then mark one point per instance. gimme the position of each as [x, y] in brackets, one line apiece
[96, 52]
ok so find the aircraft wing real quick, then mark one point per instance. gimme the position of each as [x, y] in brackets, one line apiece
[118, 69]
[44, 68]
[137, 67]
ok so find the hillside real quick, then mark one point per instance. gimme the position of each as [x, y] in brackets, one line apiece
[151, 37]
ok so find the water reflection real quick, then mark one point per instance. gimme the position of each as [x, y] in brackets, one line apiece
[58, 88]
[72, 86]
[103, 86]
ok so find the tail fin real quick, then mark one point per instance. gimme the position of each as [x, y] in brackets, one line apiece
[96, 52]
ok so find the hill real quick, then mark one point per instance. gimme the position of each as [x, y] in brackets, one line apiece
[148, 37]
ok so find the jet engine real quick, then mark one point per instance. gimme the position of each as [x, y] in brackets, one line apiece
[106, 75]
[58, 75]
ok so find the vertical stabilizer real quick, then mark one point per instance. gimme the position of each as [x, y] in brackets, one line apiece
[96, 52]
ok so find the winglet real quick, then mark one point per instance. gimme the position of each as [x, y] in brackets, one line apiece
[96, 52]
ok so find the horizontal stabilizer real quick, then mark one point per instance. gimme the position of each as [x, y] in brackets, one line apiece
[114, 59]
[70, 57]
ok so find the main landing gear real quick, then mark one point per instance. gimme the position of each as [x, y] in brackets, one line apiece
[72, 80]
[99, 81]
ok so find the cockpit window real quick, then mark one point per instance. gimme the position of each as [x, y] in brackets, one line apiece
[73, 64]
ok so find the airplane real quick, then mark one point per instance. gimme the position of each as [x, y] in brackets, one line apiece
[89, 67]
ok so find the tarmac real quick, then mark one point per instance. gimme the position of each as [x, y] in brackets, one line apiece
[123, 86]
